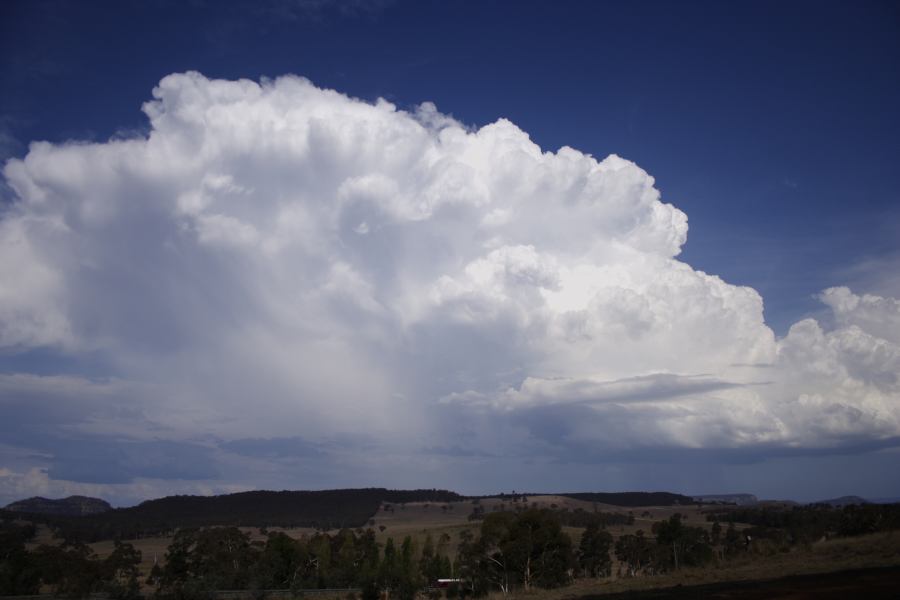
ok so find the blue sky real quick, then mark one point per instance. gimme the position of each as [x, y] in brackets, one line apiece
[771, 125]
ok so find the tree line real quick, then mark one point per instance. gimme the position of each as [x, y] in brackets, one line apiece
[508, 551]
[806, 524]
[568, 518]
[634, 499]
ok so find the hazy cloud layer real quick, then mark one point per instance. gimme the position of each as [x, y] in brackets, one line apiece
[282, 283]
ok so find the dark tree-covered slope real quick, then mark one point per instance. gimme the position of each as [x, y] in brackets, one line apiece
[633, 498]
[327, 509]
[71, 506]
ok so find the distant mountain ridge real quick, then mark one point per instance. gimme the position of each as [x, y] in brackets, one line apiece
[843, 501]
[738, 499]
[325, 509]
[73, 506]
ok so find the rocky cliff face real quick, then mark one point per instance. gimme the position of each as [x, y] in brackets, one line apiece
[71, 506]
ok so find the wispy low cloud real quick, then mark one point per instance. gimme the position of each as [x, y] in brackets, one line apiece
[281, 285]
[647, 388]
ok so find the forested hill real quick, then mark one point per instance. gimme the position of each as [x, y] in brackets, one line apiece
[634, 499]
[328, 509]
[71, 506]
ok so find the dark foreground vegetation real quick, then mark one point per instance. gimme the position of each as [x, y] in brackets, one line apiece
[871, 584]
[509, 552]
[811, 523]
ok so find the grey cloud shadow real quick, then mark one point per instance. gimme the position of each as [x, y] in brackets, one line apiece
[456, 451]
[553, 426]
[43, 419]
[279, 447]
[445, 356]
[718, 455]
[112, 461]
[49, 361]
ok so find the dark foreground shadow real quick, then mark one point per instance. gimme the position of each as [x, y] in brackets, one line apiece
[883, 582]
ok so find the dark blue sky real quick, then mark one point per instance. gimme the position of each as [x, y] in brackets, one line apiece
[773, 125]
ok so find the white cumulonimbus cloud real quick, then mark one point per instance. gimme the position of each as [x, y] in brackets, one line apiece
[277, 261]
